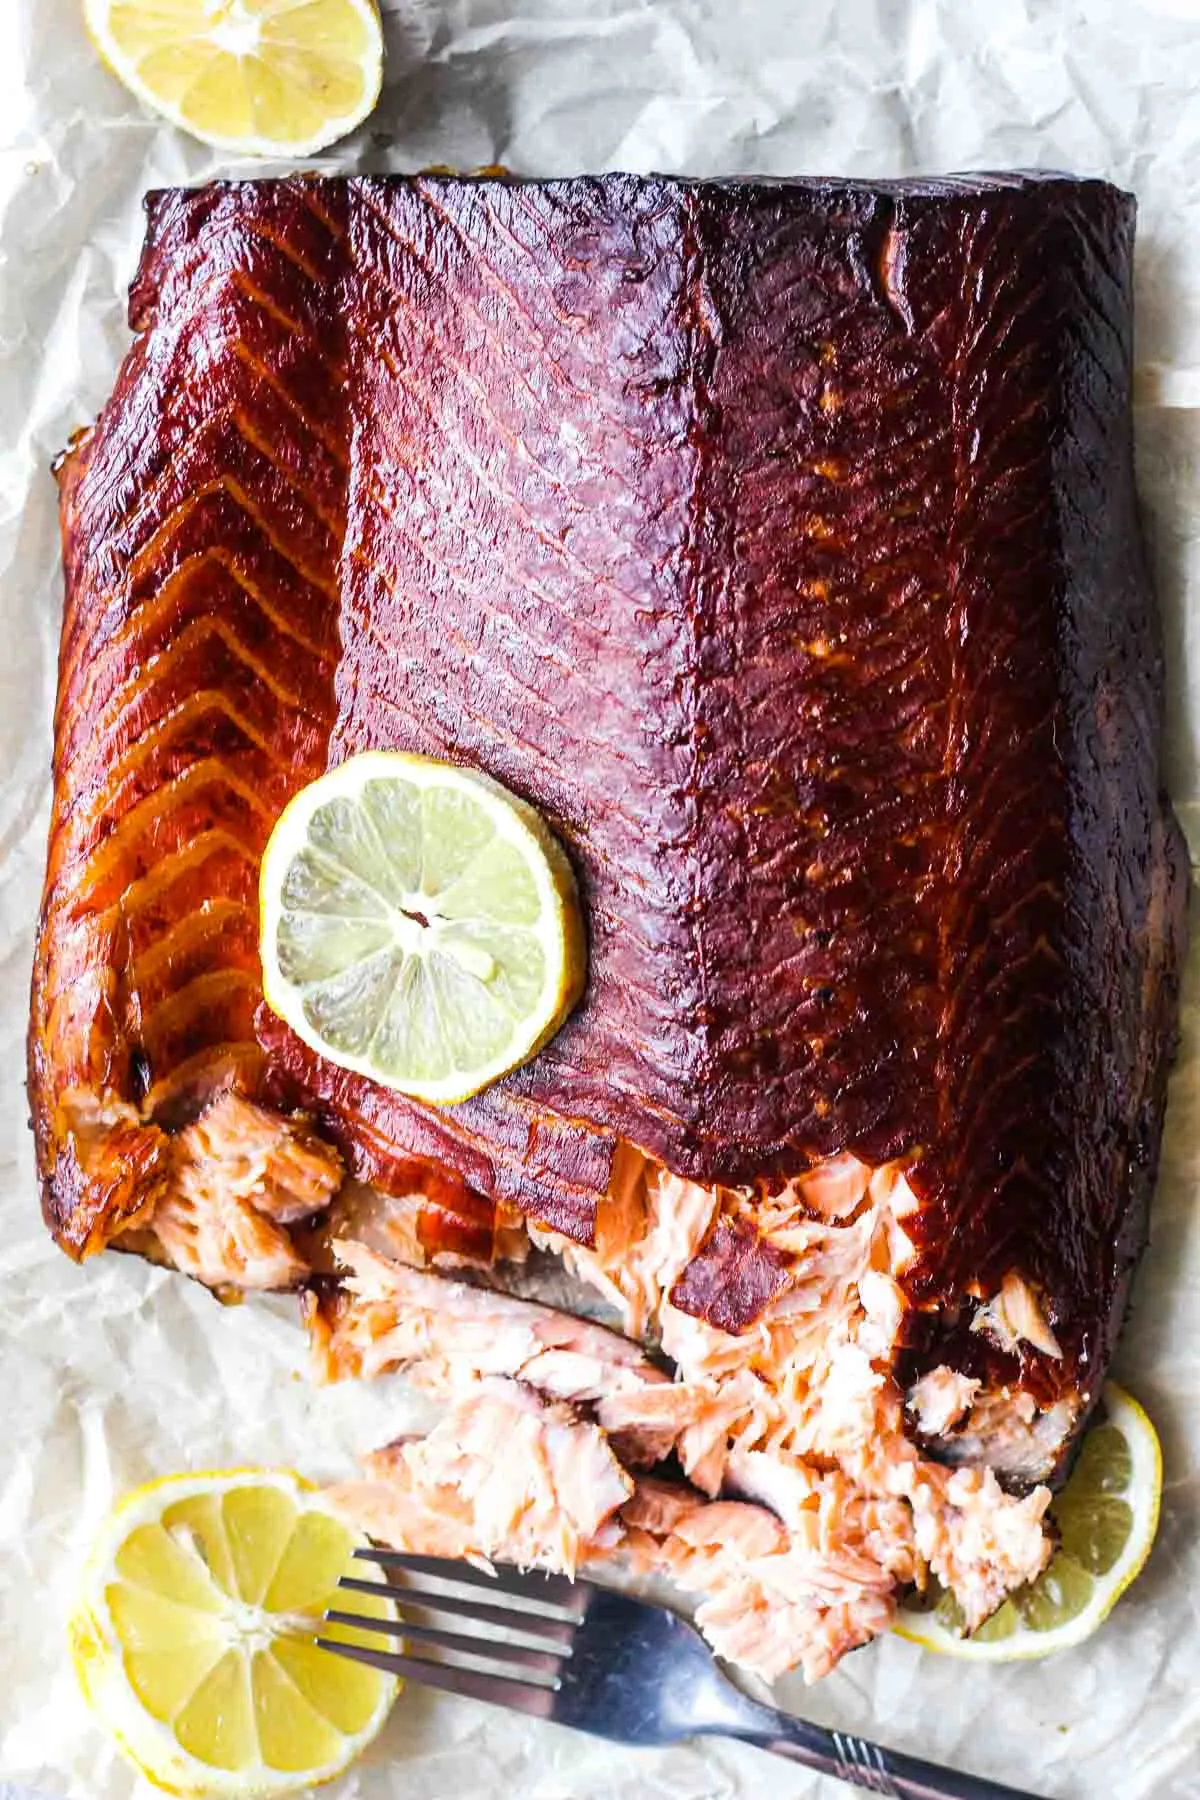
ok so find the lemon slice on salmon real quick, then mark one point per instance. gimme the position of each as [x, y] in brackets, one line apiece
[259, 77]
[193, 1635]
[1107, 1516]
[420, 924]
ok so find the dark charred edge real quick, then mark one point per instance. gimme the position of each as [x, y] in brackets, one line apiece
[964, 185]
[1123, 945]
[82, 1194]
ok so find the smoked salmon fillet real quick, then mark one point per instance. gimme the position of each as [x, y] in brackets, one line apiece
[778, 541]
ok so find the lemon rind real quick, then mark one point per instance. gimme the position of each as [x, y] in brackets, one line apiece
[97, 1654]
[96, 12]
[1027, 1645]
[561, 927]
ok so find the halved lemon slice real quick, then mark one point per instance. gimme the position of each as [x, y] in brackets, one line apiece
[420, 924]
[193, 1635]
[260, 77]
[1107, 1516]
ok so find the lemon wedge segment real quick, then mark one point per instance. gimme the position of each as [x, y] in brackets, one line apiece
[1107, 1516]
[257, 77]
[193, 1636]
[419, 924]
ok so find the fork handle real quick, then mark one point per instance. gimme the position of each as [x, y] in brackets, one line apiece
[863, 1764]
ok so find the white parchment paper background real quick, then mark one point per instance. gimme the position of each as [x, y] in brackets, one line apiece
[115, 1373]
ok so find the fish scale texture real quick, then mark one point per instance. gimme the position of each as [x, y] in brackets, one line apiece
[779, 542]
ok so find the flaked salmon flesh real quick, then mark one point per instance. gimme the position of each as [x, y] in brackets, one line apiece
[504, 1475]
[236, 1178]
[807, 1505]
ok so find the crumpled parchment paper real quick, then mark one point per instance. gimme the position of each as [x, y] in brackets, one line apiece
[117, 1372]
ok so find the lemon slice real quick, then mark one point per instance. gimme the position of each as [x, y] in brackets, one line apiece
[261, 77]
[193, 1636]
[420, 924]
[1107, 1516]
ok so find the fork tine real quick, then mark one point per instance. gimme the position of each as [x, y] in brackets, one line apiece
[530, 1624]
[541, 1662]
[550, 1590]
[497, 1690]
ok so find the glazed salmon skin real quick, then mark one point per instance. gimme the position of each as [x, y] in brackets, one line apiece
[778, 541]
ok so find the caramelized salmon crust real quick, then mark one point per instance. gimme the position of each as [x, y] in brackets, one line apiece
[778, 541]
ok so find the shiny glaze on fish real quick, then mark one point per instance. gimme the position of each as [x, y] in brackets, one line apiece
[778, 541]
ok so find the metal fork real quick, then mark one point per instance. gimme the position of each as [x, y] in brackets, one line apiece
[608, 1664]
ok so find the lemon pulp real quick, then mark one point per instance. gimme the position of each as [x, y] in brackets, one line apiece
[193, 1636]
[263, 77]
[419, 924]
